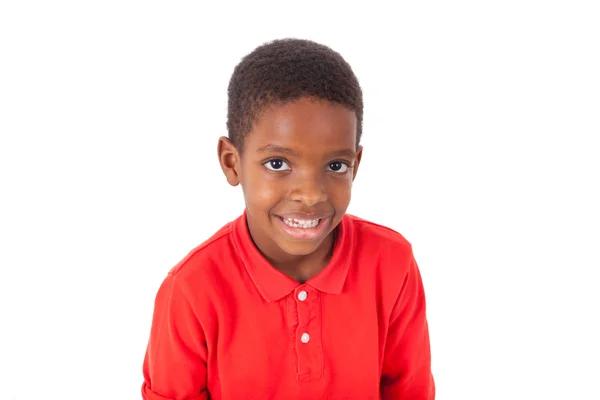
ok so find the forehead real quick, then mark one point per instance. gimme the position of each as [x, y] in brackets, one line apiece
[306, 126]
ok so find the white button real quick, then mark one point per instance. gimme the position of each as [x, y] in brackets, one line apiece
[302, 295]
[305, 337]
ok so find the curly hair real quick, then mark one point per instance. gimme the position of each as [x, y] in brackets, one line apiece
[285, 70]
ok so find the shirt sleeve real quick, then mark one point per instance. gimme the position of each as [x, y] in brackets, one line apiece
[175, 361]
[406, 372]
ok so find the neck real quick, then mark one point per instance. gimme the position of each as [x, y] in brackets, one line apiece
[303, 267]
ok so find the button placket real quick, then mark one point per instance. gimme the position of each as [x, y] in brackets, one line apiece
[302, 296]
[303, 314]
[309, 354]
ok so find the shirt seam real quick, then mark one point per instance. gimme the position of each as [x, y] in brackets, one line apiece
[183, 264]
[358, 220]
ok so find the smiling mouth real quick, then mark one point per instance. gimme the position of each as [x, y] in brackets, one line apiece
[303, 229]
[301, 223]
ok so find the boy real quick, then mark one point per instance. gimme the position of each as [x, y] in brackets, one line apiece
[294, 299]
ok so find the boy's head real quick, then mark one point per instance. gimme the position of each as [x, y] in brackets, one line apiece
[283, 71]
[294, 124]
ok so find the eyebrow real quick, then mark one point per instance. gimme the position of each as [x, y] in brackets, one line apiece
[271, 148]
[345, 152]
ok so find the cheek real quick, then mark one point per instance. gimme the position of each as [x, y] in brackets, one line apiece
[340, 193]
[260, 191]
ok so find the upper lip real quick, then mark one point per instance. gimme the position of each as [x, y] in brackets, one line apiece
[303, 216]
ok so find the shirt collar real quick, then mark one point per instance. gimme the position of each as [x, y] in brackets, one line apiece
[273, 284]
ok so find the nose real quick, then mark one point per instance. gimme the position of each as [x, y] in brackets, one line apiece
[308, 189]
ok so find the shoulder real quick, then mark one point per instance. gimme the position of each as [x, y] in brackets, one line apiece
[196, 268]
[379, 238]
[386, 253]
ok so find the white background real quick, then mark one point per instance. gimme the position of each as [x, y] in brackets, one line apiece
[481, 136]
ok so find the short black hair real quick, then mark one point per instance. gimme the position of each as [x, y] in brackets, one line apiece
[285, 70]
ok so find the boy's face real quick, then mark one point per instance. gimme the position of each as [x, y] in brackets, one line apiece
[296, 172]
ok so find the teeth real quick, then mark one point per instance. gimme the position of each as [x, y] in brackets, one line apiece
[301, 223]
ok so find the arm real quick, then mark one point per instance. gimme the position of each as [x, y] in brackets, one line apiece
[406, 372]
[175, 361]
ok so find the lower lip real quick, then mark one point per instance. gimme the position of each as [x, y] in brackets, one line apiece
[304, 233]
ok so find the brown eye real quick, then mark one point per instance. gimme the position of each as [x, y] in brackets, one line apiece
[338, 166]
[277, 164]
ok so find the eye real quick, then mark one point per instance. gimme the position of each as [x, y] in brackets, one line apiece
[338, 167]
[277, 164]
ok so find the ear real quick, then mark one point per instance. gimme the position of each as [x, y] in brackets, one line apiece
[357, 162]
[229, 158]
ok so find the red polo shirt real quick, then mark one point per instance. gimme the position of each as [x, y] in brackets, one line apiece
[227, 325]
